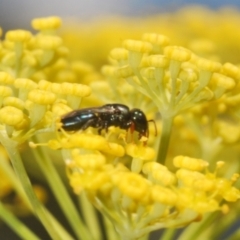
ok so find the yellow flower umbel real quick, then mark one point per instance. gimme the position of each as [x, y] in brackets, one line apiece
[147, 196]
[173, 77]
[29, 67]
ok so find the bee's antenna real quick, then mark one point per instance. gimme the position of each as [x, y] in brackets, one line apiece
[154, 126]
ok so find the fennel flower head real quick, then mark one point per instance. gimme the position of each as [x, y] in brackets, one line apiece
[139, 183]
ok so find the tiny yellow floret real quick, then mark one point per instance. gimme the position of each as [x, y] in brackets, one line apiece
[133, 185]
[48, 42]
[137, 46]
[108, 71]
[18, 35]
[188, 75]
[231, 70]
[164, 177]
[113, 149]
[223, 81]
[44, 85]
[124, 72]
[140, 152]
[25, 83]
[5, 91]
[90, 161]
[207, 65]
[155, 38]
[41, 97]
[158, 61]
[163, 195]
[119, 54]
[177, 53]
[14, 102]
[60, 108]
[6, 78]
[46, 23]
[193, 164]
[85, 140]
[75, 89]
[11, 116]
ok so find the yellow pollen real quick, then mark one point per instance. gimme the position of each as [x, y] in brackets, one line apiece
[46, 23]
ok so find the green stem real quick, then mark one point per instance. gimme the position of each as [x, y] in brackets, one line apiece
[5, 166]
[165, 138]
[17, 226]
[109, 228]
[61, 194]
[11, 148]
[89, 214]
[168, 234]
[7, 169]
[196, 230]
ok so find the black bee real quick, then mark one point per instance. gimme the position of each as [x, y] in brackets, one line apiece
[108, 115]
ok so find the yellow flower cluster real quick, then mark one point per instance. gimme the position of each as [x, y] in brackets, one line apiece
[37, 80]
[148, 196]
[172, 76]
